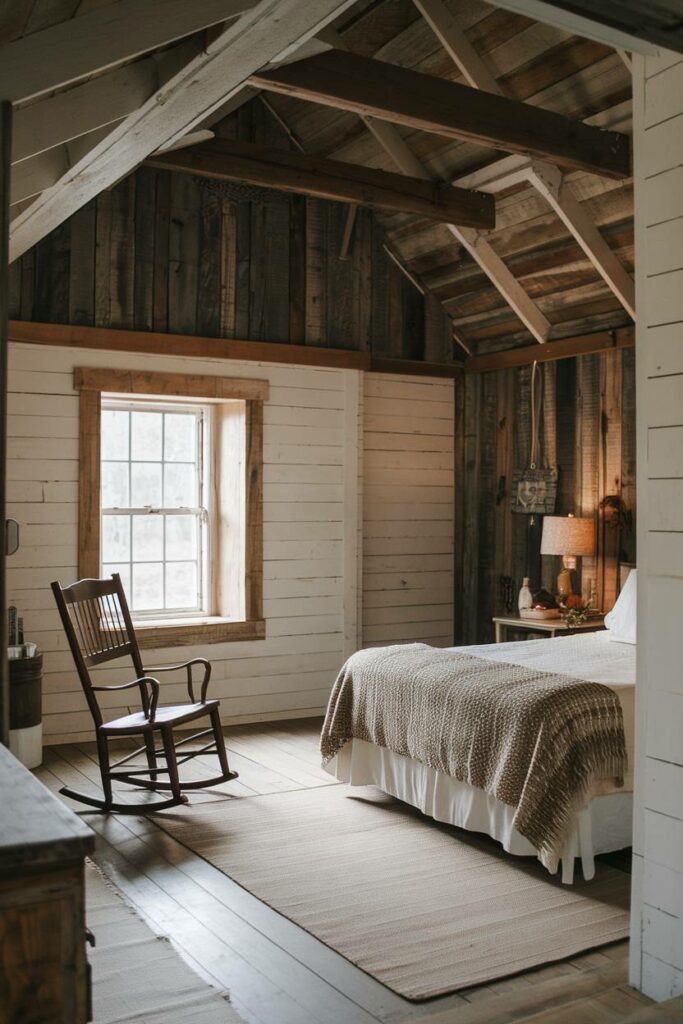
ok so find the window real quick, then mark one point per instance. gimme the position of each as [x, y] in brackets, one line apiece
[171, 498]
[155, 504]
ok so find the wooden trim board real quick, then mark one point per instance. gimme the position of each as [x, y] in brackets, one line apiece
[106, 339]
[567, 348]
[92, 383]
[142, 382]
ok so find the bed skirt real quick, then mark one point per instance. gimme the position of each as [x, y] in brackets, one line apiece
[602, 827]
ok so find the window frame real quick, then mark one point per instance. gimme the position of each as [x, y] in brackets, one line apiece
[223, 394]
[203, 512]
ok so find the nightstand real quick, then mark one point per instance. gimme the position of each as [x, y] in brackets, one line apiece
[550, 627]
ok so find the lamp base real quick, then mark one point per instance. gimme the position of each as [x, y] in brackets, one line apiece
[564, 583]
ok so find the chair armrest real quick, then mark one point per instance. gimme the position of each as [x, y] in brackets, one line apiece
[188, 665]
[141, 683]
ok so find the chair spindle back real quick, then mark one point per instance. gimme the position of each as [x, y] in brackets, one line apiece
[99, 628]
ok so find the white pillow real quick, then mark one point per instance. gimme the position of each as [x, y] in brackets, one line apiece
[621, 621]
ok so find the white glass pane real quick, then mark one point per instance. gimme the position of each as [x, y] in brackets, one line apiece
[180, 485]
[114, 434]
[145, 441]
[148, 538]
[181, 537]
[145, 478]
[124, 572]
[181, 585]
[115, 485]
[115, 538]
[148, 586]
[180, 437]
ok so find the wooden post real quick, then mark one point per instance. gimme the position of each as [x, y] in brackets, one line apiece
[5, 162]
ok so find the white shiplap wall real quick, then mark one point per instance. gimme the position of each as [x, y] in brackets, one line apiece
[657, 932]
[310, 489]
[408, 504]
[358, 473]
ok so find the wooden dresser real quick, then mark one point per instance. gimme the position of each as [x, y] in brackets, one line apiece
[43, 966]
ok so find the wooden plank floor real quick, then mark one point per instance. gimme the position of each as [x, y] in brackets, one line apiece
[276, 972]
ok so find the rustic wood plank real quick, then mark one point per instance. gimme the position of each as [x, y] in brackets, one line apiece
[89, 485]
[376, 89]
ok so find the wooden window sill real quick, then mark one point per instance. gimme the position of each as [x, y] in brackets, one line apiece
[214, 630]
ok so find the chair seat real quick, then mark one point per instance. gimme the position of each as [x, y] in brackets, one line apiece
[173, 714]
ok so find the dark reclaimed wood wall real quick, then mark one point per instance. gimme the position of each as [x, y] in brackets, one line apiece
[168, 252]
[587, 430]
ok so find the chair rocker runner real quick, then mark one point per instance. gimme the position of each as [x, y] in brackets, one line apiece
[99, 629]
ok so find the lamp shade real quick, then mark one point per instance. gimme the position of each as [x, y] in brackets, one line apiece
[567, 535]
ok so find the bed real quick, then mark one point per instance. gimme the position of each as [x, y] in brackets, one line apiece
[602, 822]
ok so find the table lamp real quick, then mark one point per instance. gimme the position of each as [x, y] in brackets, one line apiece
[568, 536]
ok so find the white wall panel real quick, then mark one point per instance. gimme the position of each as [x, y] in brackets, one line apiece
[310, 452]
[657, 917]
[408, 500]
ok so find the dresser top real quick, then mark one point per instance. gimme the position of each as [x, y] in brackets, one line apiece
[36, 829]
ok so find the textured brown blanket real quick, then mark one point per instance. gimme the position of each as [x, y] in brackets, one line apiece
[537, 741]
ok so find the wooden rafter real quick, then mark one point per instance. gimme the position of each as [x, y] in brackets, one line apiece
[181, 104]
[366, 86]
[231, 160]
[545, 177]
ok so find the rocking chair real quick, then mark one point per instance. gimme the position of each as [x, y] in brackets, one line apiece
[99, 628]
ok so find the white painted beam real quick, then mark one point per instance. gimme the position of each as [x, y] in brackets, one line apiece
[177, 108]
[545, 177]
[99, 40]
[548, 181]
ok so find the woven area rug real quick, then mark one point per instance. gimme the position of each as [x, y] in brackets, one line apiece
[423, 908]
[137, 976]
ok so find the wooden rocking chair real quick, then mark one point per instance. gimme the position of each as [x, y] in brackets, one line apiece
[99, 628]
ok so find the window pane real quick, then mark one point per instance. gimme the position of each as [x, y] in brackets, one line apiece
[146, 436]
[115, 538]
[145, 480]
[148, 586]
[148, 538]
[115, 485]
[181, 537]
[114, 434]
[122, 570]
[180, 485]
[181, 585]
[180, 437]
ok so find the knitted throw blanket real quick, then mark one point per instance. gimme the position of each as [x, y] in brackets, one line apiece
[536, 741]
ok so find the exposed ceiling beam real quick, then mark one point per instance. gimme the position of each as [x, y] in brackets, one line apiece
[331, 179]
[177, 108]
[365, 86]
[395, 146]
[567, 348]
[546, 178]
[97, 41]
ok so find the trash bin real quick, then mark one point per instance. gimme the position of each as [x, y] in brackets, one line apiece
[25, 709]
